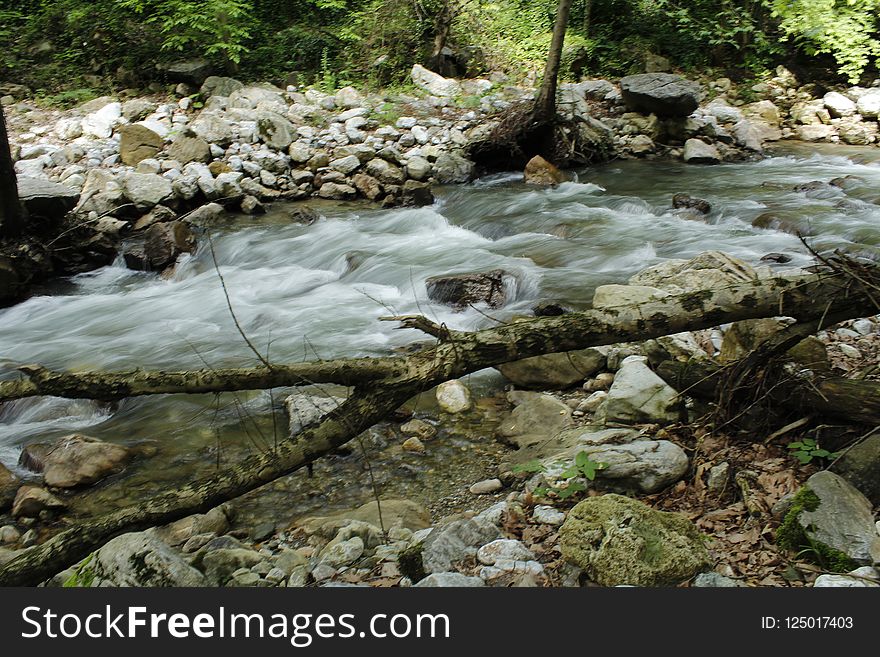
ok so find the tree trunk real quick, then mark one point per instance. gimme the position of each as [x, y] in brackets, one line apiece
[383, 384]
[545, 102]
[11, 216]
[442, 27]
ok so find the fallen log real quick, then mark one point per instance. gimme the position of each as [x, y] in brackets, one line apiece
[383, 384]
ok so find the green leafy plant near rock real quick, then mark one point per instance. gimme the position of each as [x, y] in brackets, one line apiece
[791, 535]
[582, 466]
[83, 576]
[807, 449]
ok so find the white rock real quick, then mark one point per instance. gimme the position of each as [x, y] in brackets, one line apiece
[504, 549]
[548, 515]
[434, 84]
[486, 486]
[849, 351]
[454, 397]
[100, 124]
[607, 296]
[639, 395]
[863, 326]
[864, 577]
[456, 580]
[839, 105]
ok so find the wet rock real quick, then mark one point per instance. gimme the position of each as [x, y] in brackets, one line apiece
[416, 194]
[252, 206]
[638, 395]
[205, 215]
[78, 460]
[163, 243]
[687, 201]
[454, 397]
[303, 214]
[413, 444]
[455, 541]
[137, 559]
[779, 258]
[31, 500]
[539, 171]
[418, 168]
[9, 484]
[452, 167]
[419, 429]
[137, 143]
[535, 415]
[456, 580]
[369, 187]
[663, 94]
[793, 223]
[828, 511]
[860, 466]
[486, 487]
[618, 540]
[462, 290]
[696, 151]
[554, 371]
[42, 198]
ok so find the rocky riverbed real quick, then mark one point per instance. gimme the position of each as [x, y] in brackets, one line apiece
[148, 175]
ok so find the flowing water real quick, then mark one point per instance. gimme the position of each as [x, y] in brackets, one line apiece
[304, 292]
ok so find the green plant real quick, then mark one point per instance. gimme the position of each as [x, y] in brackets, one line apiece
[807, 449]
[582, 467]
[67, 99]
[83, 576]
[326, 77]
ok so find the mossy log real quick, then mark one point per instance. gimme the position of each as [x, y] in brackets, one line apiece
[381, 385]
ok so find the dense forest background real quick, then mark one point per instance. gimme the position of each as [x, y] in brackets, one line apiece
[69, 49]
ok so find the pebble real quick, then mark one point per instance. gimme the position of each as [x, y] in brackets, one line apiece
[9, 534]
[846, 333]
[718, 478]
[863, 326]
[849, 351]
[486, 486]
[413, 445]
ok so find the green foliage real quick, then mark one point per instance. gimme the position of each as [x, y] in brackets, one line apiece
[583, 467]
[845, 29]
[69, 98]
[807, 449]
[83, 576]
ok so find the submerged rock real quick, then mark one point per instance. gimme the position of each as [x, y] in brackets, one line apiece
[618, 540]
[78, 460]
[462, 290]
[454, 397]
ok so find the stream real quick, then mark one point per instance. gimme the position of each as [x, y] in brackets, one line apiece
[305, 292]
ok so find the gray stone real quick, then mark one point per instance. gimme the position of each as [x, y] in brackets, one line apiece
[213, 129]
[839, 105]
[78, 460]
[510, 573]
[305, 409]
[609, 296]
[453, 396]
[453, 168]
[419, 429]
[146, 190]
[535, 414]
[434, 84]
[275, 131]
[618, 540]
[843, 519]
[337, 192]
[345, 165]
[42, 198]
[450, 543]
[385, 172]
[100, 124]
[663, 94]
[344, 553]
[418, 168]
[868, 105]
[219, 565]
[503, 549]
[638, 395]
[206, 214]
[456, 580]
[462, 290]
[554, 371]
[719, 475]
[864, 577]
[136, 559]
[220, 86]
[9, 534]
[548, 515]
[191, 71]
[163, 243]
[486, 487]
[860, 466]
[714, 580]
[696, 151]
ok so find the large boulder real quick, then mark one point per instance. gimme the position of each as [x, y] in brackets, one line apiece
[696, 151]
[834, 520]
[100, 124]
[78, 460]
[707, 270]
[137, 559]
[42, 198]
[164, 242]
[219, 86]
[638, 395]
[137, 143]
[433, 83]
[146, 190]
[860, 466]
[839, 105]
[453, 168]
[186, 149]
[621, 541]
[554, 371]
[539, 171]
[462, 290]
[663, 94]
[8, 486]
[868, 105]
[275, 131]
[535, 416]
[214, 129]
[191, 71]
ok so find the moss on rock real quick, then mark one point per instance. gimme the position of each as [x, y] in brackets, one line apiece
[619, 540]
